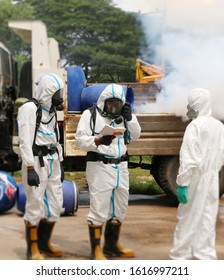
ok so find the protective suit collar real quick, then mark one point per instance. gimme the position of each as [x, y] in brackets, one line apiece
[199, 99]
[47, 86]
[111, 91]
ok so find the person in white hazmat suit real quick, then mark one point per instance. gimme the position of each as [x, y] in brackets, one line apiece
[201, 158]
[42, 169]
[107, 168]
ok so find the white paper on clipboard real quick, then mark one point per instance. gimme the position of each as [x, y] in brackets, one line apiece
[110, 130]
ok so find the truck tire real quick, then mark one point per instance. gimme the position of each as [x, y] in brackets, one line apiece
[165, 169]
[155, 168]
[167, 173]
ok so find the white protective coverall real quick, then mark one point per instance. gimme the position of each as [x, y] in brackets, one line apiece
[201, 158]
[108, 183]
[45, 201]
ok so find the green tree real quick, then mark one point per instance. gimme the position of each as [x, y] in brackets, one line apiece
[104, 40]
[9, 12]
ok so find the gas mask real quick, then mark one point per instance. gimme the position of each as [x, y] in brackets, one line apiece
[191, 112]
[113, 108]
[57, 100]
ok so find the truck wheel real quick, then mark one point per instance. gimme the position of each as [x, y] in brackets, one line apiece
[165, 173]
[168, 168]
[155, 168]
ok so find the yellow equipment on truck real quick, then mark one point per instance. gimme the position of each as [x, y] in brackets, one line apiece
[146, 72]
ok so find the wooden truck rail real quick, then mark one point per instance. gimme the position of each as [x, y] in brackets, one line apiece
[161, 135]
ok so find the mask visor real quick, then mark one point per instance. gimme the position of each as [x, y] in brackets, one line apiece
[113, 107]
[57, 98]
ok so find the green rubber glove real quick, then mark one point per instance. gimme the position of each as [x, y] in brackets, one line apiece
[182, 194]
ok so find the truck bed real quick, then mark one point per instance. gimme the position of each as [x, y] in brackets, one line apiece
[161, 135]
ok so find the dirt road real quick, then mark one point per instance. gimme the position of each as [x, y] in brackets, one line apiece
[148, 229]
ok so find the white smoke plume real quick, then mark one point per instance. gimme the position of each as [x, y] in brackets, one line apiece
[196, 61]
[193, 47]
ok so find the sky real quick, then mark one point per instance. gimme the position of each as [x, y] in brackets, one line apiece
[196, 51]
[188, 14]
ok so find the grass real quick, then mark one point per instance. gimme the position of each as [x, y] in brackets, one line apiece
[17, 176]
[141, 181]
[78, 177]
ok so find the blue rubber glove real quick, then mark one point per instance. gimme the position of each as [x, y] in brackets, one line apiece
[182, 194]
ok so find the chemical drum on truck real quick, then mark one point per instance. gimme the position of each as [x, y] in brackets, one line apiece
[76, 83]
[90, 95]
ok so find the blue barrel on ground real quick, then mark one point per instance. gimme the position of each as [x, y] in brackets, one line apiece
[90, 95]
[70, 198]
[8, 190]
[76, 83]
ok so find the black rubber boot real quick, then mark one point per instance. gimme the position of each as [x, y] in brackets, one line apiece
[112, 246]
[33, 252]
[95, 232]
[45, 229]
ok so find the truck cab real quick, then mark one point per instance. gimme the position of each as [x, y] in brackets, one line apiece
[8, 93]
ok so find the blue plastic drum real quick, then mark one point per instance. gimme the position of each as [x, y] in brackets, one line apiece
[76, 83]
[90, 95]
[8, 190]
[20, 198]
[70, 198]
